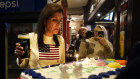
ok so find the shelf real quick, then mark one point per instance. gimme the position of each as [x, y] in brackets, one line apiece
[96, 9]
[103, 7]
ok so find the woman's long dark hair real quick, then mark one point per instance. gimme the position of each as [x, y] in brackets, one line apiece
[45, 14]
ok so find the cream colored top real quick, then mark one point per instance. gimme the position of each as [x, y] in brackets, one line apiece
[92, 48]
[34, 61]
[82, 49]
[96, 50]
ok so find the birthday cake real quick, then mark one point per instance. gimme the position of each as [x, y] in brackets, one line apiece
[85, 69]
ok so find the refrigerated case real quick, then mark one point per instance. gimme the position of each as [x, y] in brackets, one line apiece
[16, 17]
[9, 29]
[12, 30]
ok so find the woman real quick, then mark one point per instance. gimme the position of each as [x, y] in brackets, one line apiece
[81, 43]
[46, 47]
[99, 45]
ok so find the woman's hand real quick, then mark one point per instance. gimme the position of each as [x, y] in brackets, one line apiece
[19, 50]
[102, 41]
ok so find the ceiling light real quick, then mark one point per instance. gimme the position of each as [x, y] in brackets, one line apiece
[98, 14]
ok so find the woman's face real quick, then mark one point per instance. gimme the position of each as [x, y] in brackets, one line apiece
[96, 31]
[53, 24]
[83, 33]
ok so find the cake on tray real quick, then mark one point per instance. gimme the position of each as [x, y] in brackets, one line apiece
[85, 69]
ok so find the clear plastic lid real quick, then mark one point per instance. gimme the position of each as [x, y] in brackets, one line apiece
[23, 36]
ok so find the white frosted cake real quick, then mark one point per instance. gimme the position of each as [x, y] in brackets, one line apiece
[86, 69]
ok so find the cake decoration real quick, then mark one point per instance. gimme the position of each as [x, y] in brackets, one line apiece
[77, 70]
[64, 74]
[94, 77]
[122, 62]
[104, 74]
[85, 69]
[110, 60]
[118, 70]
[41, 77]
[112, 72]
[114, 65]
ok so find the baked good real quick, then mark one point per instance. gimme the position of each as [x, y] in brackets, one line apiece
[86, 69]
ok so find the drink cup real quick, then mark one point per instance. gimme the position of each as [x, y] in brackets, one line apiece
[24, 41]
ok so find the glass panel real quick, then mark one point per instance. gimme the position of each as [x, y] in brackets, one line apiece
[13, 29]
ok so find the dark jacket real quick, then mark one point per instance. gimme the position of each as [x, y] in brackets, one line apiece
[133, 66]
[78, 42]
